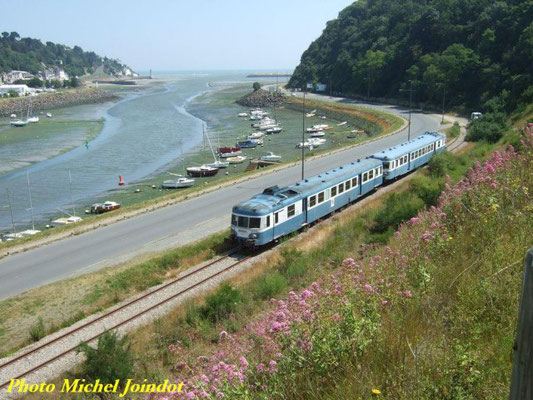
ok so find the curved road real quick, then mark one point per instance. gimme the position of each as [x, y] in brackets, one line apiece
[178, 224]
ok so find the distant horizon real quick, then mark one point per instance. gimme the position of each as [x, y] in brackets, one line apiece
[179, 35]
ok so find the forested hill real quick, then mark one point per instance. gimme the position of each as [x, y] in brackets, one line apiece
[477, 49]
[32, 55]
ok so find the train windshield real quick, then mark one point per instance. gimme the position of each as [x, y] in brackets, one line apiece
[242, 222]
[255, 222]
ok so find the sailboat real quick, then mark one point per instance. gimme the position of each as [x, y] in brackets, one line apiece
[31, 118]
[18, 123]
[217, 163]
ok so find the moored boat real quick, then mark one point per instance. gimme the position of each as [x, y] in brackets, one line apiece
[274, 129]
[246, 144]
[202, 171]
[236, 159]
[18, 123]
[270, 156]
[242, 115]
[218, 164]
[99, 208]
[65, 221]
[225, 152]
[182, 182]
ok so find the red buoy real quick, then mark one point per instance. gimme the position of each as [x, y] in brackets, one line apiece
[120, 180]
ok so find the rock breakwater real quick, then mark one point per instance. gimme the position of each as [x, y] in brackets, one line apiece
[48, 101]
[262, 98]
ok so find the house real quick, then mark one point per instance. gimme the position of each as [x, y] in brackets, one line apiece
[21, 90]
[15, 75]
[321, 87]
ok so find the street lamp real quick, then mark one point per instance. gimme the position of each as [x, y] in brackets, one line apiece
[303, 134]
[410, 90]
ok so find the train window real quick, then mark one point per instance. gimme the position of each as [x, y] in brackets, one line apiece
[380, 171]
[276, 217]
[386, 165]
[291, 211]
[321, 197]
[312, 201]
[233, 219]
[255, 222]
[333, 191]
[354, 182]
[268, 221]
[348, 184]
[405, 159]
[371, 174]
[243, 222]
[341, 188]
[365, 177]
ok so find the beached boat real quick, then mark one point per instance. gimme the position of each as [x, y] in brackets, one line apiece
[225, 152]
[342, 123]
[318, 134]
[33, 119]
[275, 129]
[236, 160]
[271, 157]
[13, 116]
[309, 115]
[218, 164]
[18, 123]
[246, 144]
[256, 135]
[178, 183]
[65, 221]
[49, 115]
[99, 208]
[202, 171]
[242, 115]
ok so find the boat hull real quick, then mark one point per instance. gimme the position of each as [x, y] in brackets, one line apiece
[200, 173]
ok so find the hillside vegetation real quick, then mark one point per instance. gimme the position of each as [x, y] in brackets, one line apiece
[475, 50]
[32, 55]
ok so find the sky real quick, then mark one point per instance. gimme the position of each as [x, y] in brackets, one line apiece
[178, 35]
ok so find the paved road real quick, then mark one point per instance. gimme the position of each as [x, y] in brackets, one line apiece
[178, 224]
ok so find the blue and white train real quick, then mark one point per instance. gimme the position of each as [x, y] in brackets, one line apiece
[280, 211]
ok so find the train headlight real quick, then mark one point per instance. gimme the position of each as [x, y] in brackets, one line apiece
[253, 236]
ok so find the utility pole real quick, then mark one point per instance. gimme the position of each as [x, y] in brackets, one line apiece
[31, 204]
[11, 210]
[443, 100]
[71, 198]
[303, 135]
[410, 90]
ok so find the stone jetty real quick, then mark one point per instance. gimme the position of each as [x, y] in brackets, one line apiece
[262, 98]
[59, 99]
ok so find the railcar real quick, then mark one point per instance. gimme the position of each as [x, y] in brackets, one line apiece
[279, 211]
[406, 157]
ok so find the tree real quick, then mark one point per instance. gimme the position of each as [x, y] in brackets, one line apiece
[256, 86]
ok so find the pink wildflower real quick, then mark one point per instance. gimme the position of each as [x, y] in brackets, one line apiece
[408, 294]
[223, 335]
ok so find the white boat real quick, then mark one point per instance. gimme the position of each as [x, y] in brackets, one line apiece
[307, 144]
[33, 119]
[317, 141]
[243, 114]
[317, 134]
[49, 115]
[275, 129]
[236, 159]
[309, 115]
[271, 157]
[218, 164]
[255, 117]
[19, 123]
[178, 183]
[342, 123]
[257, 140]
[65, 221]
[256, 135]
[13, 116]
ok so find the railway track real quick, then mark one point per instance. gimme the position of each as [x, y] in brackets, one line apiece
[61, 345]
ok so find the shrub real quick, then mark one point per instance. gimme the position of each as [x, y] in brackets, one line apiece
[269, 285]
[112, 358]
[490, 127]
[427, 189]
[442, 163]
[37, 331]
[398, 207]
[221, 304]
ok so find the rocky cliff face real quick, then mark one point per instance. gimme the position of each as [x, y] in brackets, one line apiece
[262, 98]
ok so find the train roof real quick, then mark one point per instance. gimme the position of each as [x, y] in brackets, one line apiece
[395, 152]
[276, 197]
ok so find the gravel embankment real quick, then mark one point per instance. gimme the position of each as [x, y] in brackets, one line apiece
[48, 101]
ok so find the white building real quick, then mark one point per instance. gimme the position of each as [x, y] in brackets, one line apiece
[321, 87]
[21, 90]
[14, 75]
